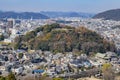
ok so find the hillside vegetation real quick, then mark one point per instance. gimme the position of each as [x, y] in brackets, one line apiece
[58, 38]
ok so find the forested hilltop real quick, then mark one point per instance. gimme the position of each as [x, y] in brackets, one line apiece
[57, 38]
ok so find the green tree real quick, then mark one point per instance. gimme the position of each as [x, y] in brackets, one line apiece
[11, 76]
[2, 78]
[20, 55]
[58, 79]
[38, 29]
[49, 28]
[1, 37]
[17, 42]
[108, 73]
[29, 35]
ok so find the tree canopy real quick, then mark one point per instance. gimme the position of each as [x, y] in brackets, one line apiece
[59, 38]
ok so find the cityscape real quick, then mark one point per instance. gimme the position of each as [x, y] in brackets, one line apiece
[59, 43]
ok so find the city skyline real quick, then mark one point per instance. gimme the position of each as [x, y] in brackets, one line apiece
[91, 6]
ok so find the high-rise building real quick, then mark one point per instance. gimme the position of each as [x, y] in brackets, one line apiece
[10, 23]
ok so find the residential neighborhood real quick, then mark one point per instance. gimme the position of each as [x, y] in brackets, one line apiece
[39, 63]
[65, 65]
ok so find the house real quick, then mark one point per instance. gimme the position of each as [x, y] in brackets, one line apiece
[35, 56]
[76, 63]
[111, 54]
[17, 70]
[47, 53]
[39, 52]
[27, 68]
[38, 71]
[87, 64]
[58, 69]
[51, 72]
[8, 40]
[11, 57]
[69, 55]
[26, 56]
[83, 56]
[1, 57]
[95, 63]
[20, 51]
[2, 68]
[100, 55]
[38, 60]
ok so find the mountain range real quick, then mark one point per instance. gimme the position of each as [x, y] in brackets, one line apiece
[22, 15]
[43, 14]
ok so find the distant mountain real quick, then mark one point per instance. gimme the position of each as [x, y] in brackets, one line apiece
[22, 15]
[43, 14]
[109, 15]
[53, 14]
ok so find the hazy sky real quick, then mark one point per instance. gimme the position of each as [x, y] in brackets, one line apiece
[92, 6]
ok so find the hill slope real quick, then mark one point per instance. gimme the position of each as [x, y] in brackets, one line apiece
[109, 15]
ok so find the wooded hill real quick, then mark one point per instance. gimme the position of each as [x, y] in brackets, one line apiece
[59, 38]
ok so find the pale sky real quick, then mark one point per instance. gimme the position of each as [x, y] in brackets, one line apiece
[92, 6]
